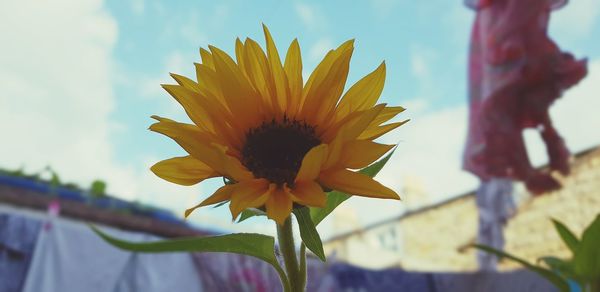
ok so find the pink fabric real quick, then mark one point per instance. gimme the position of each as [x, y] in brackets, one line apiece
[515, 73]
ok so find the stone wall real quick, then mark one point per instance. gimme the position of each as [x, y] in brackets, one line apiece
[531, 234]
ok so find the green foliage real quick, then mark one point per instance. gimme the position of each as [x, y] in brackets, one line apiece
[557, 280]
[251, 244]
[256, 245]
[249, 213]
[17, 172]
[583, 266]
[567, 236]
[308, 232]
[563, 267]
[98, 188]
[587, 256]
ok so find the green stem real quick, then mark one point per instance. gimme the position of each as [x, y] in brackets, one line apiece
[288, 250]
[303, 265]
[284, 280]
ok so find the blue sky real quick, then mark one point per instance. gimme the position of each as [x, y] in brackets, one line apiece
[81, 78]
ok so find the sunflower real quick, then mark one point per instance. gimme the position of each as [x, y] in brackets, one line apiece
[279, 142]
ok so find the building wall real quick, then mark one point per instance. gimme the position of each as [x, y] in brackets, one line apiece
[436, 238]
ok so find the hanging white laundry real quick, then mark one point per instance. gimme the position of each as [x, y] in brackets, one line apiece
[70, 257]
[496, 205]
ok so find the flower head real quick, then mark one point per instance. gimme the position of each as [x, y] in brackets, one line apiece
[279, 141]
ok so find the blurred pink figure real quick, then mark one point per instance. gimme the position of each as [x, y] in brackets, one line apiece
[53, 211]
[515, 73]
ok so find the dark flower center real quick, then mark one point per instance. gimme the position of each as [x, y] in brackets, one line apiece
[274, 150]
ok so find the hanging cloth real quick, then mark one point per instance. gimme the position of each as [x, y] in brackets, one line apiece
[495, 205]
[69, 256]
[515, 73]
[18, 236]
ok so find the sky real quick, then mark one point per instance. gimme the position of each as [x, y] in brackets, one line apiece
[80, 79]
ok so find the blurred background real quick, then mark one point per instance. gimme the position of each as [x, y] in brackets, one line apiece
[80, 79]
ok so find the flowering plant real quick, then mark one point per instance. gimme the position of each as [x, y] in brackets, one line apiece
[282, 146]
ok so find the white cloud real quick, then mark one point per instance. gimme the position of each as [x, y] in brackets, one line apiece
[422, 60]
[57, 96]
[193, 28]
[176, 62]
[419, 66]
[577, 19]
[309, 15]
[138, 7]
[318, 50]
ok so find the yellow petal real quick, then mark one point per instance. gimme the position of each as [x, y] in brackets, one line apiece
[279, 78]
[232, 166]
[207, 58]
[293, 71]
[374, 133]
[259, 73]
[194, 105]
[309, 193]
[326, 84]
[185, 170]
[356, 126]
[311, 163]
[201, 146]
[388, 113]
[191, 139]
[249, 194]
[240, 97]
[279, 205]
[208, 83]
[363, 94]
[206, 113]
[347, 132]
[222, 194]
[361, 153]
[239, 55]
[335, 151]
[353, 125]
[185, 82]
[356, 184]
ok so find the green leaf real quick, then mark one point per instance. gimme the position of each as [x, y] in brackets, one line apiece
[256, 245]
[308, 232]
[335, 198]
[587, 256]
[249, 213]
[564, 267]
[567, 236]
[555, 279]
